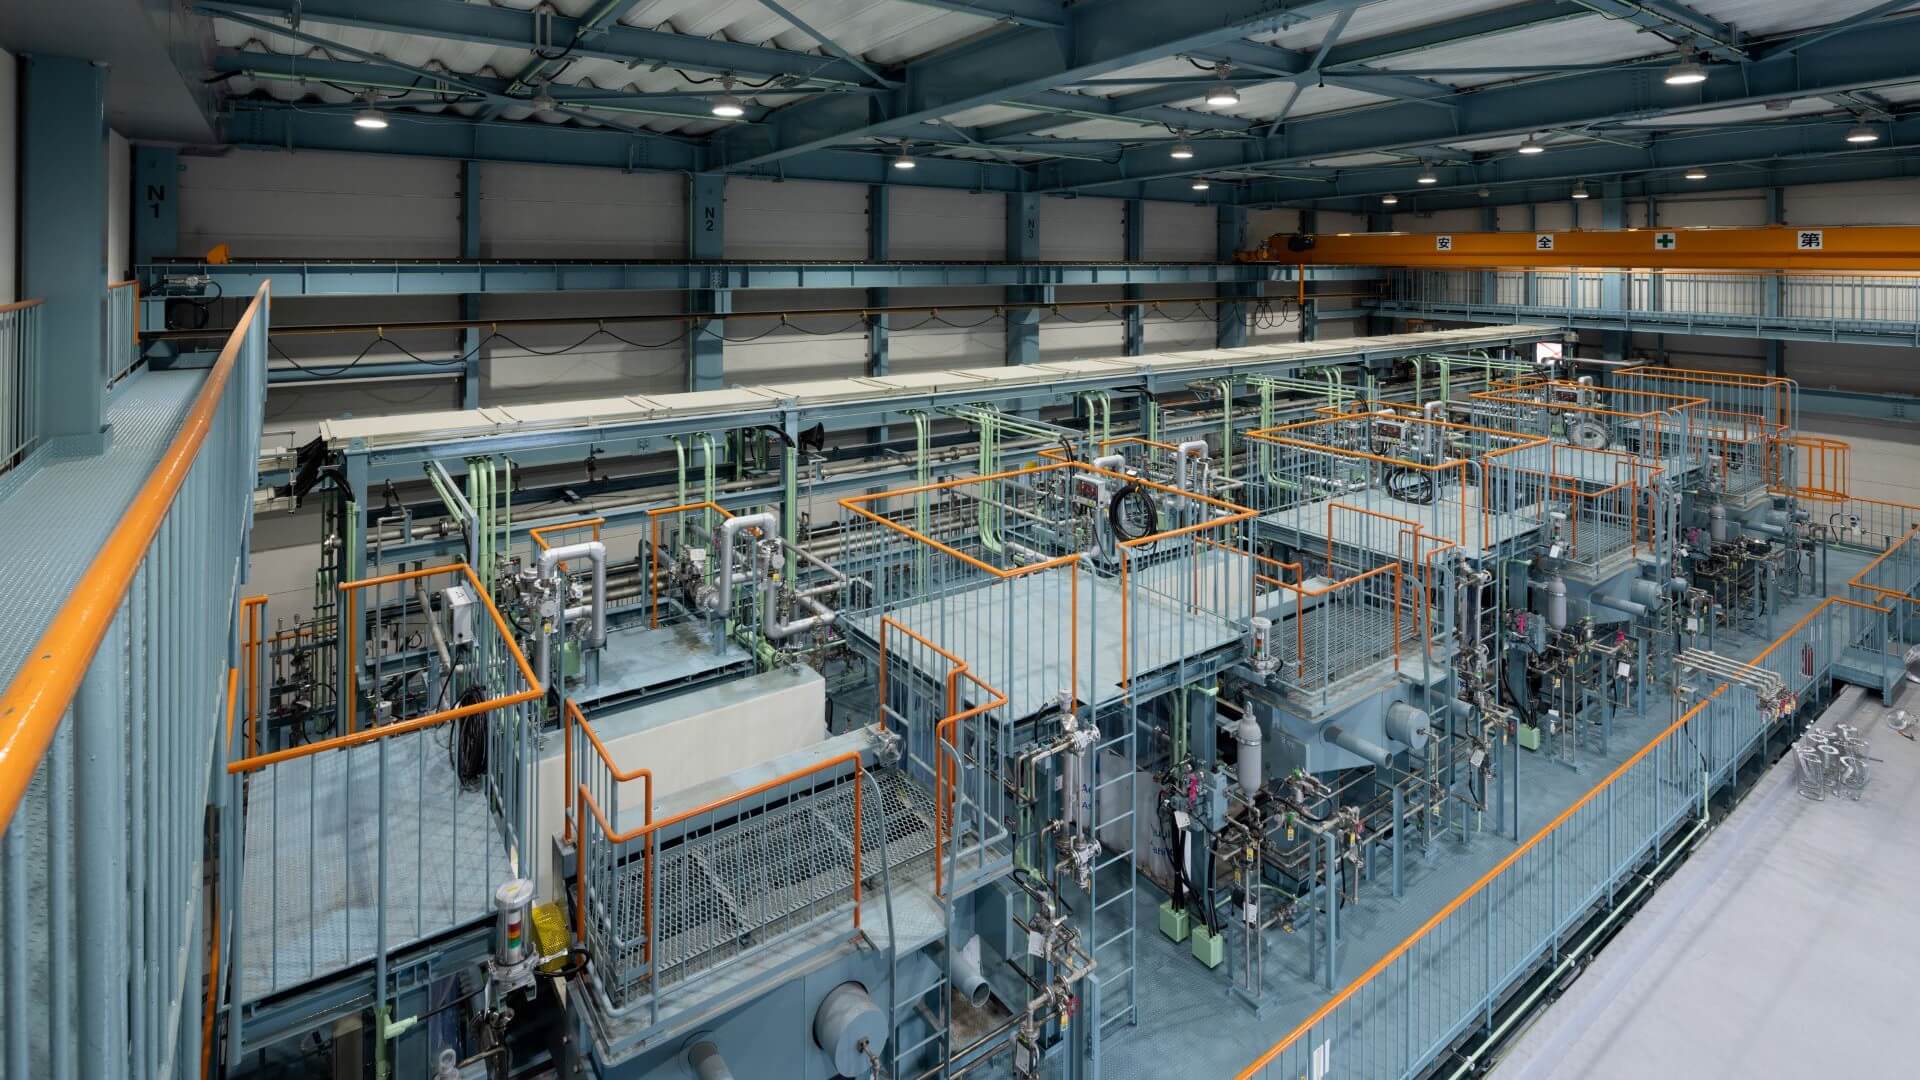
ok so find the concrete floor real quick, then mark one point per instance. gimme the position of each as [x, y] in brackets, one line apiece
[1783, 947]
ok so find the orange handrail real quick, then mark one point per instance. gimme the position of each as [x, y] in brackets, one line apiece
[20, 305]
[38, 696]
[252, 657]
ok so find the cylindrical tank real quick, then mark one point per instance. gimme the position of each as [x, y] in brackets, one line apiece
[1717, 522]
[1358, 745]
[849, 1026]
[1557, 602]
[1250, 759]
[1407, 725]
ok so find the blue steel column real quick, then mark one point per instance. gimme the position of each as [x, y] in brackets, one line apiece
[1310, 311]
[470, 302]
[1776, 349]
[1230, 314]
[1023, 246]
[156, 198]
[1378, 221]
[1613, 294]
[1133, 338]
[1489, 281]
[63, 236]
[879, 233]
[706, 242]
[156, 229]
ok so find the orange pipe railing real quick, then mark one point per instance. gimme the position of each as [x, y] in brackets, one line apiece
[584, 802]
[532, 691]
[253, 659]
[44, 687]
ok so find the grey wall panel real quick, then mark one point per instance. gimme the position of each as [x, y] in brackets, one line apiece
[555, 212]
[277, 204]
[1083, 230]
[1176, 232]
[795, 219]
[933, 223]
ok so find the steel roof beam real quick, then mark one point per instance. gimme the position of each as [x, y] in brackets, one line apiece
[507, 28]
[1863, 58]
[1013, 64]
[1677, 23]
[1044, 14]
[479, 88]
[1789, 146]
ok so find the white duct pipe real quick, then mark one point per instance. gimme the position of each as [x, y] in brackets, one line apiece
[729, 530]
[595, 552]
[1192, 448]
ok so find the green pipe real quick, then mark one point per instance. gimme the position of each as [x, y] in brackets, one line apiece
[989, 435]
[1419, 379]
[790, 523]
[680, 485]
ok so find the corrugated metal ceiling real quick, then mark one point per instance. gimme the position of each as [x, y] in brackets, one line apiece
[889, 33]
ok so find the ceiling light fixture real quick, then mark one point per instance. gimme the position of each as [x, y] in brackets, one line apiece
[1696, 173]
[1483, 193]
[1182, 151]
[1222, 94]
[1389, 200]
[1532, 146]
[728, 106]
[1580, 190]
[371, 119]
[1201, 185]
[1863, 133]
[1427, 177]
[1686, 73]
[904, 160]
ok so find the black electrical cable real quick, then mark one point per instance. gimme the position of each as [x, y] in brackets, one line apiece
[469, 750]
[1132, 495]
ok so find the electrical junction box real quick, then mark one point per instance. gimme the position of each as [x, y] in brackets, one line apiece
[1529, 736]
[1208, 947]
[1173, 923]
[462, 607]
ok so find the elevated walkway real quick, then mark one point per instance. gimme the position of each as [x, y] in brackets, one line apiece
[57, 508]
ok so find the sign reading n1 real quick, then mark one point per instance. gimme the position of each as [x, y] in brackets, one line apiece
[1665, 241]
[1810, 240]
[1543, 241]
[1443, 243]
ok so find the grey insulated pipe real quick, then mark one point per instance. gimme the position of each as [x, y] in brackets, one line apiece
[1357, 745]
[704, 1059]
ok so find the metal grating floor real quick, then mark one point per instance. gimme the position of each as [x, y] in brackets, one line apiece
[723, 893]
[1337, 647]
[57, 509]
[310, 884]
